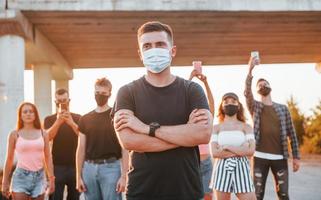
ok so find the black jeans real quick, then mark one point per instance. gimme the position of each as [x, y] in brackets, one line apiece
[65, 176]
[280, 173]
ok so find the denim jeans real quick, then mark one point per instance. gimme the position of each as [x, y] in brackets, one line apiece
[31, 183]
[65, 176]
[280, 172]
[206, 173]
[101, 180]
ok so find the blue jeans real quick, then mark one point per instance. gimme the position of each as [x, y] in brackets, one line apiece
[31, 183]
[206, 173]
[101, 180]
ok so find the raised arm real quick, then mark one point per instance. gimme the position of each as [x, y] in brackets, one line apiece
[250, 102]
[209, 94]
[70, 121]
[53, 130]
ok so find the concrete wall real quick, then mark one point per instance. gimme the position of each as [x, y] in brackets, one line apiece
[2, 4]
[168, 5]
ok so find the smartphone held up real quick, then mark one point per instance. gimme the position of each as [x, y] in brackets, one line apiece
[256, 57]
[198, 66]
[63, 107]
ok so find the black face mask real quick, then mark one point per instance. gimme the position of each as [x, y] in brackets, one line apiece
[101, 99]
[264, 91]
[230, 109]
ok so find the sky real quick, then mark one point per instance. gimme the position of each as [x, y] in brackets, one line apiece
[300, 80]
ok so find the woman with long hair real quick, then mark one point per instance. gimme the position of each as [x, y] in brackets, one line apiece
[30, 144]
[232, 142]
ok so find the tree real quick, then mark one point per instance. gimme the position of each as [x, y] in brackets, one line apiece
[312, 140]
[297, 118]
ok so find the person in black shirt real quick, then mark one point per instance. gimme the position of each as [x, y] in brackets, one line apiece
[99, 173]
[161, 119]
[62, 128]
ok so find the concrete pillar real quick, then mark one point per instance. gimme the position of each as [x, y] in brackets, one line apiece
[318, 67]
[42, 88]
[62, 84]
[12, 64]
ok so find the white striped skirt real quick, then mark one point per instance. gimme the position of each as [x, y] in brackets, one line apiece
[232, 175]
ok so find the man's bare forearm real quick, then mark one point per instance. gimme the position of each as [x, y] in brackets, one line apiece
[142, 143]
[80, 155]
[185, 135]
[53, 130]
[124, 162]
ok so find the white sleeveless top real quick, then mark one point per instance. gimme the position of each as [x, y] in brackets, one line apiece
[233, 138]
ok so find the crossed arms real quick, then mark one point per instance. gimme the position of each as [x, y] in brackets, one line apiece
[133, 133]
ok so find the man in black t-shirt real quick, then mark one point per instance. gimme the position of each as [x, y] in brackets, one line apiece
[62, 128]
[162, 119]
[99, 173]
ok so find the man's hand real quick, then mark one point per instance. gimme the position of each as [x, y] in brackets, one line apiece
[198, 117]
[252, 62]
[296, 165]
[60, 117]
[121, 184]
[68, 118]
[81, 187]
[128, 120]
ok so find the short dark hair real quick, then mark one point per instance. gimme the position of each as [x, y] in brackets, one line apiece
[261, 79]
[104, 82]
[61, 91]
[155, 26]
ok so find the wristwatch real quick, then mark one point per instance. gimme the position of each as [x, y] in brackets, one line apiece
[152, 128]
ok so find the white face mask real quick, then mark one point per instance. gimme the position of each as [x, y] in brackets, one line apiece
[157, 60]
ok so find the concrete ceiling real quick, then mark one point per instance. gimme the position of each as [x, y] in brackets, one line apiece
[108, 39]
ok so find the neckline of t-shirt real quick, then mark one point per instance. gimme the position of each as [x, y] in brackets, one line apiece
[101, 112]
[268, 106]
[164, 87]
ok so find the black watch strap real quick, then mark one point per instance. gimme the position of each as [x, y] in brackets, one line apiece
[152, 128]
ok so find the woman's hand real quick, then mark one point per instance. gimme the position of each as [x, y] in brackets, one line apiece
[51, 186]
[5, 188]
[193, 74]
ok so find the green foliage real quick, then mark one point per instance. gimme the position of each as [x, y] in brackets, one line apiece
[308, 129]
[312, 138]
[297, 118]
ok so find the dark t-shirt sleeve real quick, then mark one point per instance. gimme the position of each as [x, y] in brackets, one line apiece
[124, 100]
[81, 125]
[47, 123]
[77, 118]
[197, 97]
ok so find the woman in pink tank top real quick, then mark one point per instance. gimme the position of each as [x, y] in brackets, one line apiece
[30, 144]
